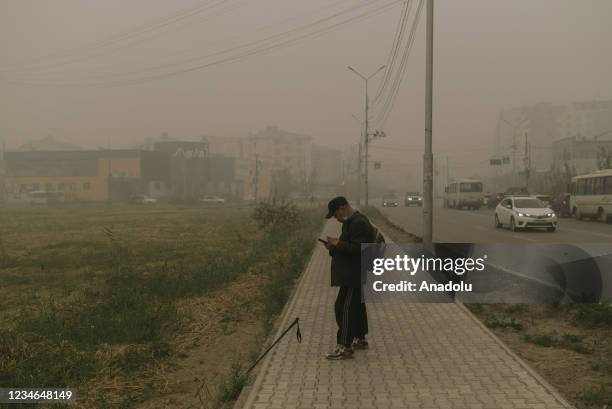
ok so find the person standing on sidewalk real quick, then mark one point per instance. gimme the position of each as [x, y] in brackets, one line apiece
[351, 314]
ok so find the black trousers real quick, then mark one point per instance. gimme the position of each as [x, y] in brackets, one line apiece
[351, 315]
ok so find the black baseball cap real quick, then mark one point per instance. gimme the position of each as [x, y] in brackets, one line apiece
[334, 205]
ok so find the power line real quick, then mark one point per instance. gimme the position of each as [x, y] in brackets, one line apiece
[390, 101]
[126, 35]
[397, 39]
[262, 49]
[206, 18]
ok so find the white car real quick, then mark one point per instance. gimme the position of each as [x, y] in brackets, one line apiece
[143, 199]
[212, 200]
[524, 212]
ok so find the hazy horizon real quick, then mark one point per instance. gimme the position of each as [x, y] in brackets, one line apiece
[489, 56]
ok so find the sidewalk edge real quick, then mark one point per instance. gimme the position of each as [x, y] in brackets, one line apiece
[284, 319]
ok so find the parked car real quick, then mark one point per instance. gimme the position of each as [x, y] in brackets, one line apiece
[212, 200]
[143, 199]
[46, 198]
[546, 199]
[390, 200]
[561, 204]
[524, 212]
[413, 199]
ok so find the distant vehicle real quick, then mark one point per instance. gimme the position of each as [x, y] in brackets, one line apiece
[561, 204]
[45, 198]
[494, 200]
[546, 199]
[524, 212]
[390, 200]
[485, 199]
[143, 199]
[413, 199]
[463, 193]
[212, 200]
[516, 191]
[248, 199]
[591, 195]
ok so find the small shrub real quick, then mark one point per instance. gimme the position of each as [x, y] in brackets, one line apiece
[230, 389]
[504, 323]
[542, 340]
[275, 216]
[601, 397]
[571, 342]
[594, 315]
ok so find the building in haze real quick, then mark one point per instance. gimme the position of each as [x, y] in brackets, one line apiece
[194, 171]
[287, 156]
[327, 171]
[244, 166]
[577, 156]
[86, 176]
[545, 123]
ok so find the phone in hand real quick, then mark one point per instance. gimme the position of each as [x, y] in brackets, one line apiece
[323, 241]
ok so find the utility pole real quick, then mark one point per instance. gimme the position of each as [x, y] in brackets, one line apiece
[359, 173]
[515, 127]
[428, 154]
[447, 172]
[256, 180]
[3, 188]
[366, 125]
[367, 143]
[527, 160]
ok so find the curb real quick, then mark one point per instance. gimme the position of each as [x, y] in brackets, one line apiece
[283, 321]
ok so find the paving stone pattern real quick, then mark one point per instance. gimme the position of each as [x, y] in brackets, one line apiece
[420, 356]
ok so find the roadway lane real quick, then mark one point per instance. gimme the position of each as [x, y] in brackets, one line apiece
[525, 271]
[476, 226]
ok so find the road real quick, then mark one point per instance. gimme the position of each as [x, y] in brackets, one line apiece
[476, 226]
[586, 242]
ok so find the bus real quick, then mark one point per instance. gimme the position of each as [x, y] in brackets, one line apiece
[464, 193]
[44, 198]
[591, 196]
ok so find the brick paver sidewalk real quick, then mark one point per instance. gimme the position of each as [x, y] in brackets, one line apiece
[420, 356]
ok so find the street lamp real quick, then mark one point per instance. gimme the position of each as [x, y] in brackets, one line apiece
[515, 127]
[366, 133]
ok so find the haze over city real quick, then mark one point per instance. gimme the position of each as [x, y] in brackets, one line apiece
[489, 56]
[213, 203]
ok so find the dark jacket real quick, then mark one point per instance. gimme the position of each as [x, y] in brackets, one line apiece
[346, 256]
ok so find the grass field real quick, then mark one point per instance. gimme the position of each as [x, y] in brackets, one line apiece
[94, 296]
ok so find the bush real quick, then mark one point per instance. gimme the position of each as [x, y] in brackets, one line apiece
[275, 216]
[570, 342]
[594, 315]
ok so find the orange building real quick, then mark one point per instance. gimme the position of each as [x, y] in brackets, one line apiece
[86, 176]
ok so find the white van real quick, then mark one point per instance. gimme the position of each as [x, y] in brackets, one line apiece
[591, 195]
[464, 193]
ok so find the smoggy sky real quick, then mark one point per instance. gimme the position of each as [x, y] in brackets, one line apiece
[489, 55]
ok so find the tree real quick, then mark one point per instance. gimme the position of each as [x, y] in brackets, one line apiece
[282, 184]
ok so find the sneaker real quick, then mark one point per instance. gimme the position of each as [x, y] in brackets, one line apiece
[360, 343]
[341, 352]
